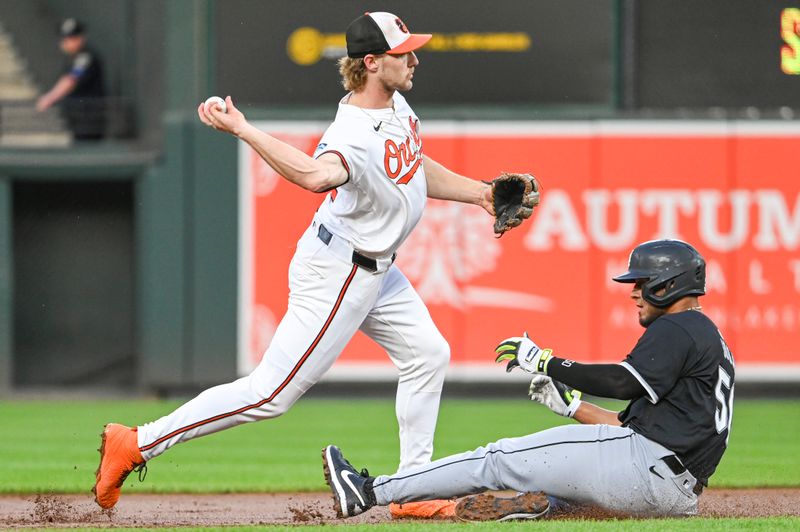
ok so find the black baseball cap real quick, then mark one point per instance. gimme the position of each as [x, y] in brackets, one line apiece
[381, 33]
[71, 27]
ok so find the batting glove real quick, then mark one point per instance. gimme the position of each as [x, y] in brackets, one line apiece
[556, 396]
[520, 351]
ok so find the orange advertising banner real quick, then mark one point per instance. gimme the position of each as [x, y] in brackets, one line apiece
[729, 188]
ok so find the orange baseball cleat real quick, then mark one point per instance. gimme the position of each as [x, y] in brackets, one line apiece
[119, 456]
[436, 509]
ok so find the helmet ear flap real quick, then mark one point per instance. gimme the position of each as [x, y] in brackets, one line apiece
[649, 293]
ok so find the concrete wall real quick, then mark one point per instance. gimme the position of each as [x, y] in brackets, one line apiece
[183, 214]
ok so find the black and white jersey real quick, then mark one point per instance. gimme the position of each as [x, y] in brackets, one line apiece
[687, 370]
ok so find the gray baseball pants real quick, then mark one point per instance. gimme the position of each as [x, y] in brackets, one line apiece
[599, 465]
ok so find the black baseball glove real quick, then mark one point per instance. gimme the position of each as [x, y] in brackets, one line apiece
[514, 196]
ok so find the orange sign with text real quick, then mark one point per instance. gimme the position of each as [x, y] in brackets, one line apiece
[730, 190]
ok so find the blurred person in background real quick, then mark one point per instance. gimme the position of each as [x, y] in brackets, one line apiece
[80, 91]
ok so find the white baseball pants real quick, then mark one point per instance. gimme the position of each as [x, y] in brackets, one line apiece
[330, 299]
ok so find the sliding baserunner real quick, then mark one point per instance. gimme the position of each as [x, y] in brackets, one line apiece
[653, 458]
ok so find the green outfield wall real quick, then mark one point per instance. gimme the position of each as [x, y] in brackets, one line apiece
[118, 260]
[156, 308]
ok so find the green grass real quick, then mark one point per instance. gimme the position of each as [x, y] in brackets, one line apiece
[51, 446]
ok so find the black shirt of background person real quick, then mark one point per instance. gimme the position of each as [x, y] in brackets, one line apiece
[85, 107]
[686, 368]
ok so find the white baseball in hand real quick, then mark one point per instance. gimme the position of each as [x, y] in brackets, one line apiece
[217, 102]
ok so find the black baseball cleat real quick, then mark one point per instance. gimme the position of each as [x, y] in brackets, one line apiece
[352, 491]
[488, 507]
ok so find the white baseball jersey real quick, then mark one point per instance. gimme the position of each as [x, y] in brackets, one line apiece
[333, 295]
[384, 196]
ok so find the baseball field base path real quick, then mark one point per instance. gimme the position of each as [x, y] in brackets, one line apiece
[175, 510]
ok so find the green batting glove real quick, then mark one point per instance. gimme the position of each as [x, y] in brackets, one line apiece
[520, 351]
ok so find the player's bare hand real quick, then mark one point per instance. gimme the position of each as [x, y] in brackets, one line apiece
[486, 199]
[230, 121]
[522, 352]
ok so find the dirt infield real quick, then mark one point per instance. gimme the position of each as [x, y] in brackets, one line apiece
[135, 510]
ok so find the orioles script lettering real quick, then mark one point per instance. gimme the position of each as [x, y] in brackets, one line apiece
[396, 158]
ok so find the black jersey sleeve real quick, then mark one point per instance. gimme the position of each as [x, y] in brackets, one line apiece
[601, 380]
[658, 357]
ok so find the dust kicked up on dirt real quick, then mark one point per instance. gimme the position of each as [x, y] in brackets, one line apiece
[138, 510]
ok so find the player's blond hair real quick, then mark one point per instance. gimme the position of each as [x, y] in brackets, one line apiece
[353, 72]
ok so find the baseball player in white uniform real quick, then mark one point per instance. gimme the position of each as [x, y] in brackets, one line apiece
[342, 278]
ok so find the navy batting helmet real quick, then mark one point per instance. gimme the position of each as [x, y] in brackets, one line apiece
[672, 265]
